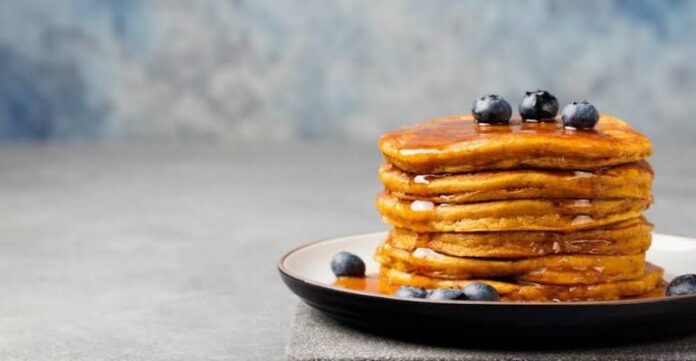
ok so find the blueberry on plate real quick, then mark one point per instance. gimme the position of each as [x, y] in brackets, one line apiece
[480, 292]
[682, 285]
[538, 105]
[491, 109]
[411, 292]
[581, 115]
[446, 294]
[347, 264]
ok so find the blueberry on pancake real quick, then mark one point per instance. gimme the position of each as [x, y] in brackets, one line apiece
[539, 105]
[491, 109]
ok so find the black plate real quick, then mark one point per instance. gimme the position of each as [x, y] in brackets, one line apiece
[306, 272]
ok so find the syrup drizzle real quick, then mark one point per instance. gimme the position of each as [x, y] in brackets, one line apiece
[377, 285]
[429, 136]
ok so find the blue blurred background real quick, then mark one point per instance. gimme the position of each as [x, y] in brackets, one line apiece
[249, 71]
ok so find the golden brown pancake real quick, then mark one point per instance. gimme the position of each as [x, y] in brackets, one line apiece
[627, 237]
[458, 144]
[555, 270]
[633, 180]
[511, 291]
[508, 215]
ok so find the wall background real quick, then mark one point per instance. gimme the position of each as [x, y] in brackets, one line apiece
[258, 71]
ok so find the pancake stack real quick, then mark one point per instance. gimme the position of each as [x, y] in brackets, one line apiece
[536, 210]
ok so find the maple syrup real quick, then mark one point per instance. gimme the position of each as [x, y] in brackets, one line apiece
[370, 283]
[440, 133]
[377, 285]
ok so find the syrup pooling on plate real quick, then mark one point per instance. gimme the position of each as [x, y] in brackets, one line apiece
[518, 291]
[371, 283]
[377, 285]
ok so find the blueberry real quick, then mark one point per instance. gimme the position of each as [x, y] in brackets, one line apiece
[446, 294]
[682, 285]
[411, 292]
[491, 109]
[481, 292]
[581, 115]
[347, 264]
[539, 105]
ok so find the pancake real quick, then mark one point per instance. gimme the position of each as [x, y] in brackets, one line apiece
[633, 180]
[458, 144]
[627, 237]
[510, 291]
[556, 270]
[508, 215]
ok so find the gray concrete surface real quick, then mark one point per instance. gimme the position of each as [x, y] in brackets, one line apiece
[168, 252]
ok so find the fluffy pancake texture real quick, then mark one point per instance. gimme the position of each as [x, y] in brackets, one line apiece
[539, 211]
[624, 238]
[458, 144]
[633, 180]
[519, 214]
[557, 270]
[650, 279]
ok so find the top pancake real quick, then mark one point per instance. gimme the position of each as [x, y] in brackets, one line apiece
[458, 144]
